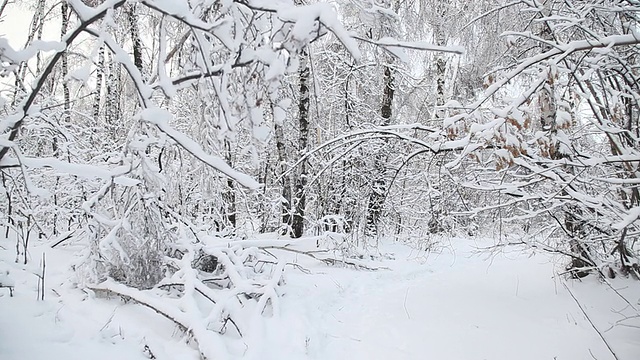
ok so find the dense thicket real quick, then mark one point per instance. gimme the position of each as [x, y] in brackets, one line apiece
[148, 131]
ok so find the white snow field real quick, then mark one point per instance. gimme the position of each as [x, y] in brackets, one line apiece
[451, 305]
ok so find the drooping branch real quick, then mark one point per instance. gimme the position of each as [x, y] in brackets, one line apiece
[16, 120]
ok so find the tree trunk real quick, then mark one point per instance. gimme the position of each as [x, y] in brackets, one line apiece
[441, 60]
[285, 179]
[65, 63]
[573, 222]
[66, 112]
[229, 194]
[379, 184]
[299, 200]
[21, 72]
[135, 37]
[39, 25]
[99, 79]
[112, 106]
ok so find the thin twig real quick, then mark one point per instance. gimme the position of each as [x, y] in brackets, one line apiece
[591, 322]
[328, 261]
[405, 304]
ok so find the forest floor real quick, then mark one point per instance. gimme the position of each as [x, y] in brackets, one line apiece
[449, 304]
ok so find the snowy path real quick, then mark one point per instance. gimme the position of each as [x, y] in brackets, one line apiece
[467, 308]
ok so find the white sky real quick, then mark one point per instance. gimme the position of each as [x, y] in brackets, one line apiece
[14, 26]
[16, 20]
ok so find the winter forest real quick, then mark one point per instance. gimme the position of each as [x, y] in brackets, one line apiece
[302, 179]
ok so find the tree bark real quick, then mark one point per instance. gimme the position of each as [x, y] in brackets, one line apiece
[299, 200]
[135, 37]
[441, 60]
[112, 106]
[229, 194]
[379, 184]
[285, 179]
[65, 62]
[99, 79]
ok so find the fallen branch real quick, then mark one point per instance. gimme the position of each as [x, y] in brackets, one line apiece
[329, 260]
[591, 322]
[198, 331]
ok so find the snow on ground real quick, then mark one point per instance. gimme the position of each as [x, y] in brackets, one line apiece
[72, 324]
[456, 306]
[452, 305]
